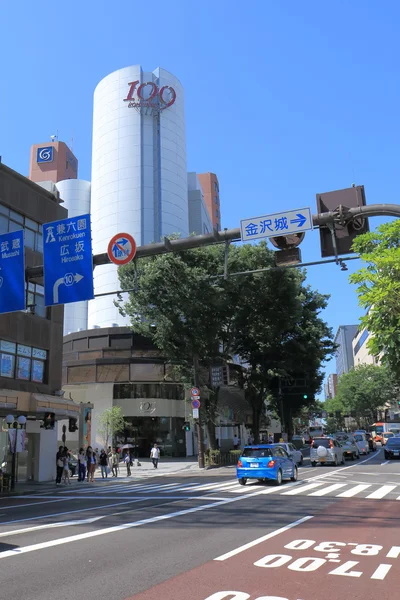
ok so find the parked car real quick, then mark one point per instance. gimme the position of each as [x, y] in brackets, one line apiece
[326, 450]
[361, 442]
[293, 452]
[371, 441]
[265, 462]
[350, 448]
[385, 436]
[392, 448]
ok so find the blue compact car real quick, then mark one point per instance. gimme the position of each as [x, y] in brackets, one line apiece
[265, 462]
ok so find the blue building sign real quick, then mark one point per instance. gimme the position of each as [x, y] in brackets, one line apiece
[12, 272]
[67, 258]
[45, 155]
[276, 224]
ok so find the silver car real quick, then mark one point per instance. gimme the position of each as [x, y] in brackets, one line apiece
[350, 448]
[326, 450]
[293, 452]
[362, 443]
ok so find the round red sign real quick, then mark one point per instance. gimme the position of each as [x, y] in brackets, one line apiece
[121, 249]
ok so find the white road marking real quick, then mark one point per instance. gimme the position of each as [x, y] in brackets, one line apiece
[51, 526]
[381, 571]
[381, 492]
[325, 491]
[385, 463]
[354, 491]
[91, 534]
[300, 490]
[261, 539]
[35, 503]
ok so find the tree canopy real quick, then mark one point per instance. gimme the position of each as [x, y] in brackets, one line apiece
[269, 319]
[378, 289]
[111, 422]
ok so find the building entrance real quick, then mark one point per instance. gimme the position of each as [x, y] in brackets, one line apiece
[144, 432]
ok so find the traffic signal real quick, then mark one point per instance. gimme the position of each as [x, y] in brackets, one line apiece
[186, 426]
[49, 420]
[305, 396]
[72, 425]
[344, 233]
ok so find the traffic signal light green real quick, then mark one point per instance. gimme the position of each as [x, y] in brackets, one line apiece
[187, 426]
[305, 396]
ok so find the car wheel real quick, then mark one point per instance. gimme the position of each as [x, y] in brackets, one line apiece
[279, 478]
[357, 455]
[242, 481]
[336, 462]
[295, 474]
[301, 461]
[343, 461]
[313, 464]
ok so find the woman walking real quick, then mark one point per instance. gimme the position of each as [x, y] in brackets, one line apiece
[91, 464]
[81, 465]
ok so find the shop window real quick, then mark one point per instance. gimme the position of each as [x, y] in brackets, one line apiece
[22, 362]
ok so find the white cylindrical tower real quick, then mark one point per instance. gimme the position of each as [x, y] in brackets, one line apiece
[76, 196]
[139, 177]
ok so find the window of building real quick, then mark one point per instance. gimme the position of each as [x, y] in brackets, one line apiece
[216, 212]
[170, 391]
[216, 199]
[35, 299]
[361, 341]
[18, 361]
[216, 186]
[10, 220]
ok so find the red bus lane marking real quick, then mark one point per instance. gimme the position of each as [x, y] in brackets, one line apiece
[347, 550]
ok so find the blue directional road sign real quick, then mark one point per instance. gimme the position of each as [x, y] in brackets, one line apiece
[12, 272]
[277, 224]
[68, 263]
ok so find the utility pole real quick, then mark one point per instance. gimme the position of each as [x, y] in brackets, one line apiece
[200, 445]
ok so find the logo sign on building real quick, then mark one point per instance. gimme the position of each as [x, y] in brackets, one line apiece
[68, 263]
[276, 224]
[12, 272]
[45, 155]
[121, 248]
[149, 95]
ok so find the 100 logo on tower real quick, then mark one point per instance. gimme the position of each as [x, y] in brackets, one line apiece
[149, 95]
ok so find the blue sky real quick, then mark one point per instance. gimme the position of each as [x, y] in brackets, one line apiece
[283, 99]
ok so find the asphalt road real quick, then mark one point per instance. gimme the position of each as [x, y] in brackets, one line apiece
[332, 534]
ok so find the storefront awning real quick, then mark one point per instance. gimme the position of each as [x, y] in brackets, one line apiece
[42, 403]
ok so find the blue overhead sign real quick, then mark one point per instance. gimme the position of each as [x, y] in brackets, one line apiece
[12, 272]
[68, 263]
[277, 224]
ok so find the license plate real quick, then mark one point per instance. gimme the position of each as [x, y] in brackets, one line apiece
[254, 465]
[396, 452]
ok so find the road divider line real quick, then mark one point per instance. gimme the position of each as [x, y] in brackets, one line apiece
[262, 539]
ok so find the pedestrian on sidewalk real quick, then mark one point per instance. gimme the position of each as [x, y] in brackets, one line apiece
[128, 462]
[81, 465]
[66, 466]
[59, 465]
[155, 455]
[114, 462]
[91, 464]
[103, 464]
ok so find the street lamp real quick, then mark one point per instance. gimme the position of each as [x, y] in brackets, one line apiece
[14, 423]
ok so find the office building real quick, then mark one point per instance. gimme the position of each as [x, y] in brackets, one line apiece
[344, 353]
[52, 161]
[31, 339]
[330, 387]
[199, 218]
[210, 186]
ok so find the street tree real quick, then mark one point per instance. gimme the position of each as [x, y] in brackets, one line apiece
[363, 391]
[378, 289]
[111, 422]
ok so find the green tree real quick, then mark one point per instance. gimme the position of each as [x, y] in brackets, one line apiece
[378, 289]
[111, 422]
[363, 391]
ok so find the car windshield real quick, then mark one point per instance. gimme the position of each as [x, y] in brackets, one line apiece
[358, 437]
[388, 435]
[256, 452]
[321, 442]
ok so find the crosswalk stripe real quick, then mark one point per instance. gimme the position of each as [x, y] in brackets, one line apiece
[208, 486]
[381, 492]
[354, 491]
[328, 490]
[301, 489]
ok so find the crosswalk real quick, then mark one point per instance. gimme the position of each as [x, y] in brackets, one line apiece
[313, 489]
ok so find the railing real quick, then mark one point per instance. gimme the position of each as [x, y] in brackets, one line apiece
[216, 458]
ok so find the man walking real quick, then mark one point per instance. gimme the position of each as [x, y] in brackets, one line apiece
[155, 455]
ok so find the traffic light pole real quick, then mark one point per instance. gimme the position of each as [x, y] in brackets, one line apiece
[200, 444]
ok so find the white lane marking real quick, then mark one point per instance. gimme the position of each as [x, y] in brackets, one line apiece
[381, 492]
[328, 490]
[354, 491]
[91, 534]
[70, 512]
[381, 571]
[52, 525]
[385, 463]
[35, 503]
[300, 490]
[209, 486]
[262, 539]
[342, 468]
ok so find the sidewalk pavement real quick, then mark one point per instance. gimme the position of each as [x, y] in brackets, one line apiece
[182, 467]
